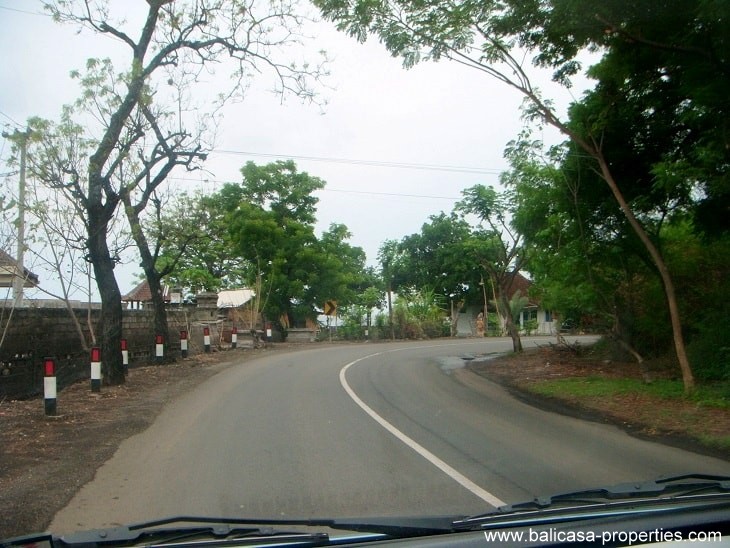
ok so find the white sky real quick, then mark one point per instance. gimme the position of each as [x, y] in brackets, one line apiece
[436, 114]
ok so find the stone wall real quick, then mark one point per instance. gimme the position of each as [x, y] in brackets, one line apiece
[30, 334]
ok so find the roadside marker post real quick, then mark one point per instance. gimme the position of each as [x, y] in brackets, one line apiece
[206, 339]
[49, 386]
[125, 357]
[184, 343]
[234, 337]
[159, 348]
[96, 369]
[268, 332]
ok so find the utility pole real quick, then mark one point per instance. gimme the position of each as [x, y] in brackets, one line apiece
[21, 138]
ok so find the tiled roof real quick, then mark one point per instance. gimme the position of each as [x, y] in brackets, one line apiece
[521, 284]
[10, 266]
[142, 293]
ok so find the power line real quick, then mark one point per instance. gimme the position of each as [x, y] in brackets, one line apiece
[10, 118]
[391, 194]
[341, 190]
[24, 11]
[376, 163]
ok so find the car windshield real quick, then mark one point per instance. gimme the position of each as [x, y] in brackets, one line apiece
[356, 259]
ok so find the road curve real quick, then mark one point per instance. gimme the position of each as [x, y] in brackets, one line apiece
[285, 436]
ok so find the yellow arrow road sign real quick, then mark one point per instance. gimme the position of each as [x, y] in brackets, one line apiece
[330, 308]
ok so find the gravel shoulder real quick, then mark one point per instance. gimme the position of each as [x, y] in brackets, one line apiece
[45, 460]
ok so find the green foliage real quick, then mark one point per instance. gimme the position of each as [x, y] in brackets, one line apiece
[716, 395]
[709, 350]
[437, 258]
[586, 263]
[279, 188]
[530, 327]
[517, 304]
[370, 298]
[196, 242]
[272, 229]
[352, 328]
[655, 128]
[420, 314]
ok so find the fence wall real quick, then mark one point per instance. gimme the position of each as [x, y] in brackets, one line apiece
[31, 334]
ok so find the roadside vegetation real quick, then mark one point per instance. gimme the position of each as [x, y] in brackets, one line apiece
[597, 384]
[622, 228]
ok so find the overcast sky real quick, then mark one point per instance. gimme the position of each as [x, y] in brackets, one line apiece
[451, 121]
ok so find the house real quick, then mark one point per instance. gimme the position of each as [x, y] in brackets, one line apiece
[533, 318]
[9, 270]
[141, 296]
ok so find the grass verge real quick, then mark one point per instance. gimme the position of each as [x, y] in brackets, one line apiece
[715, 395]
[660, 406]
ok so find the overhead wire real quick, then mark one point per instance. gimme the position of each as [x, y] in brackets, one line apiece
[12, 120]
[341, 190]
[8, 8]
[376, 163]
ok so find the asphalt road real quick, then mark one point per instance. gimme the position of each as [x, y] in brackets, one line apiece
[359, 430]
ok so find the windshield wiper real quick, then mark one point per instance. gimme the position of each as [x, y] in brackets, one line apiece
[683, 488]
[212, 531]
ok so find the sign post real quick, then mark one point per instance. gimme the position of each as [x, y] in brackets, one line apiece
[330, 309]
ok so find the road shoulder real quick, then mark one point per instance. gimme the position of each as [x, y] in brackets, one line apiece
[671, 422]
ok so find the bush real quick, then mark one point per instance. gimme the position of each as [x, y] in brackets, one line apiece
[709, 352]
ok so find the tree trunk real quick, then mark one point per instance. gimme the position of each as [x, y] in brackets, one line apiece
[595, 151]
[509, 323]
[154, 278]
[111, 302]
[390, 313]
[158, 302]
[679, 346]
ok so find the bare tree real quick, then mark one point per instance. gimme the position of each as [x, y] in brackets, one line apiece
[139, 134]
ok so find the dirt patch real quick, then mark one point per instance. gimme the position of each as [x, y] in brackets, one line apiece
[674, 421]
[45, 460]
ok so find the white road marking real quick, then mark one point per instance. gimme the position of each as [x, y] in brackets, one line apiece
[454, 474]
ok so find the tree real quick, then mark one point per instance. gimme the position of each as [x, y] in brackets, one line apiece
[281, 253]
[492, 36]
[272, 229]
[390, 259]
[584, 259]
[498, 248]
[53, 241]
[342, 275]
[155, 267]
[371, 297]
[139, 140]
[281, 189]
[196, 239]
[435, 258]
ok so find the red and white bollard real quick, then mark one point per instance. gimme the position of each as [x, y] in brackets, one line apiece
[184, 343]
[206, 339]
[95, 369]
[125, 357]
[159, 348]
[49, 386]
[268, 332]
[234, 337]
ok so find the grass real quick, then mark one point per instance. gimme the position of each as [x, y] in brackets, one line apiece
[711, 395]
[721, 442]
